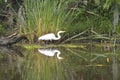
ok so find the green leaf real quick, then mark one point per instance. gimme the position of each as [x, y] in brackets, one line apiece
[107, 4]
[118, 1]
[97, 2]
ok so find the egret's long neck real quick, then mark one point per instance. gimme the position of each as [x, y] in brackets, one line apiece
[58, 36]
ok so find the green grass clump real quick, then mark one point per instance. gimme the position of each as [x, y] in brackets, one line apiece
[44, 16]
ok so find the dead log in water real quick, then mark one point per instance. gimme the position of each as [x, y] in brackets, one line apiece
[12, 39]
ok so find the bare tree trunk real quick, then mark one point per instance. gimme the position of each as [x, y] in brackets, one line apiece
[115, 20]
[116, 16]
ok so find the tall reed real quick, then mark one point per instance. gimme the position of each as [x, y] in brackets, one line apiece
[44, 16]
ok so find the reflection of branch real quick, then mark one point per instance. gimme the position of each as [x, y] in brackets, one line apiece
[97, 56]
[92, 13]
[76, 54]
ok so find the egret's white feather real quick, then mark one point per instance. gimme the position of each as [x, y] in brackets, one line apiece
[51, 36]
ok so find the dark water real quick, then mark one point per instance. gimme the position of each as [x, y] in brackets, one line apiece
[89, 63]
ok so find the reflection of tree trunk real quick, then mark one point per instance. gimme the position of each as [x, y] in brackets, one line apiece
[115, 68]
[11, 62]
[10, 51]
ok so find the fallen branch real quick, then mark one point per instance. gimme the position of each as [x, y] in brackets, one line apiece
[74, 36]
[94, 35]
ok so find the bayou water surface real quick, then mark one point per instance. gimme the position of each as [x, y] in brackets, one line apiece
[88, 63]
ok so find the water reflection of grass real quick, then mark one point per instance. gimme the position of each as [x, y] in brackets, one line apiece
[40, 67]
[78, 63]
[87, 63]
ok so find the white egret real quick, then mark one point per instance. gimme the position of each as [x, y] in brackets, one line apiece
[50, 52]
[51, 36]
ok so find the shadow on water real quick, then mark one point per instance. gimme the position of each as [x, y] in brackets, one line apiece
[89, 63]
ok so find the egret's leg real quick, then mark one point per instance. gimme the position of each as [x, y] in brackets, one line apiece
[43, 43]
[46, 42]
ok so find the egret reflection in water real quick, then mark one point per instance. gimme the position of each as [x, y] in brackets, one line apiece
[50, 52]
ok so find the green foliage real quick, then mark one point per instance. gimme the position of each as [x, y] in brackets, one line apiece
[118, 29]
[1, 1]
[118, 1]
[1, 56]
[50, 16]
[44, 16]
[107, 4]
[2, 30]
